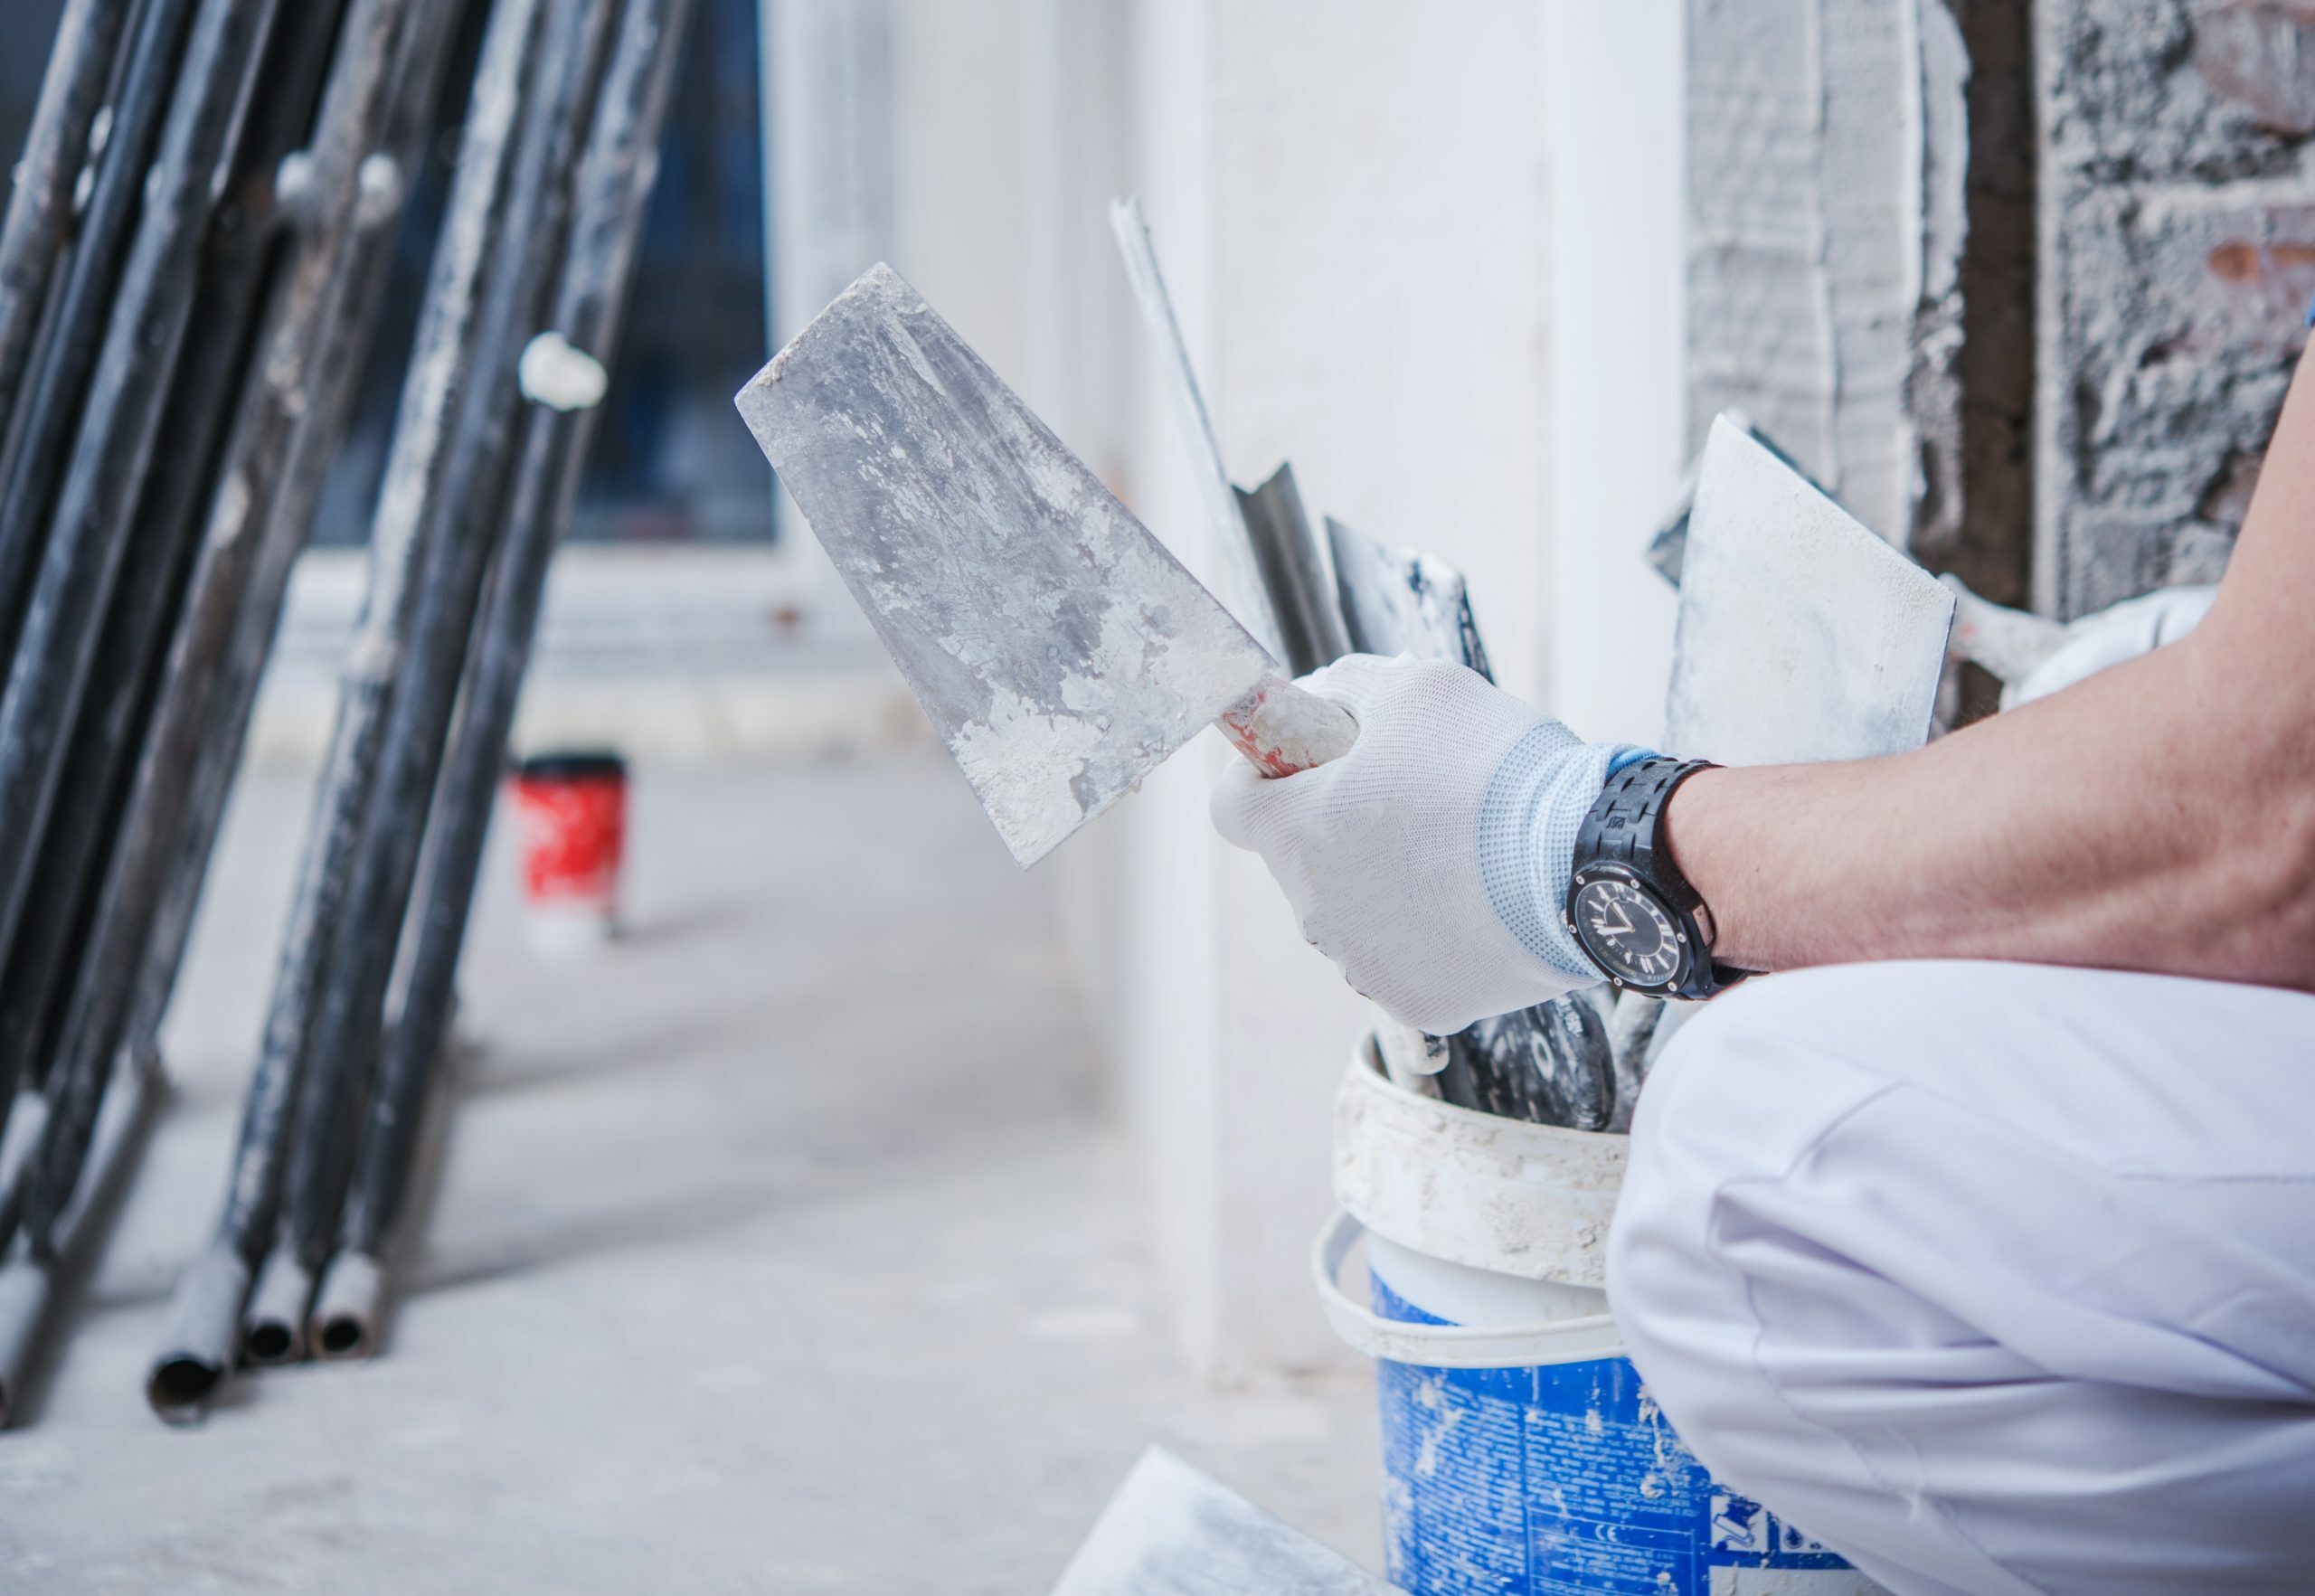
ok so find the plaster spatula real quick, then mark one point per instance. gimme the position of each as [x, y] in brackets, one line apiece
[1801, 635]
[1059, 650]
[1174, 1531]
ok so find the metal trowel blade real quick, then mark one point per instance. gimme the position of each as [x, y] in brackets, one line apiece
[1801, 635]
[1173, 1531]
[1059, 650]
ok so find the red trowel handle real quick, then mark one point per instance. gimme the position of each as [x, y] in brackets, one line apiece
[1281, 729]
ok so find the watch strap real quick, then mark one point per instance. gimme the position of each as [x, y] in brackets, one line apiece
[1625, 826]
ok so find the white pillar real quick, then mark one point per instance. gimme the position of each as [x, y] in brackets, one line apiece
[1613, 100]
[1351, 217]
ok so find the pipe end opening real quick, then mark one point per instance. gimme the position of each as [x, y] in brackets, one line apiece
[268, 1341]
[343, 1335]
[180, 1386]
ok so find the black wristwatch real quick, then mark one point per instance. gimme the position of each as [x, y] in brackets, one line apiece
[1628, 905]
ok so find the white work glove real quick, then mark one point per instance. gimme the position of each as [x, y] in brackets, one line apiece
[2035, 657]
[1432, 861]
[2128, 629]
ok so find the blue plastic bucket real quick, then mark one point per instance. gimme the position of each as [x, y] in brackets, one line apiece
[1523, 1456]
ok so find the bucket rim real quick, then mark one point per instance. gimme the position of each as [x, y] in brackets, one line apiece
[1368, 1073]
[1588, 1339]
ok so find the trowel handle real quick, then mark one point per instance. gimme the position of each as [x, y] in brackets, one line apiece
[1281, 728]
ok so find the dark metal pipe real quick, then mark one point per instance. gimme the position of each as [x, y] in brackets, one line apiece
[109, 468]
[347, 1310]
[365, 162]
[39, 224]
[17, 1150]
[273, 1325]
[374, 124]
[34, 453]
[466, 510]
[347, 1318]
[440, 371]
[376, 114]
[142, 327]
[33, 1280]
[197, 1337]
[91, 792]
[613, 195]
[441, 367]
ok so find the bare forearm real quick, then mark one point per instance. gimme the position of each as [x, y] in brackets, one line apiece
[2093, 828]
[2159, 816]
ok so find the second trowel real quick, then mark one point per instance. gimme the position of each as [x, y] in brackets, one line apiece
[1057, 647]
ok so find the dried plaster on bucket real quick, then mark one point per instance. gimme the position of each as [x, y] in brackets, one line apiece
[1474, 1189]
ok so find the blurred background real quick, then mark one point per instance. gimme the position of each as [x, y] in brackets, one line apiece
[852, 1220]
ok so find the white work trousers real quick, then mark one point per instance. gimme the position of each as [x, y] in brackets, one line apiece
[1999, 1279]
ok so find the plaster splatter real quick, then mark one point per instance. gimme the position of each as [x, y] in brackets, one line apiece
[1057, 647]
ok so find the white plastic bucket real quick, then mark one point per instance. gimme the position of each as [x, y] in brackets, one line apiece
[1522, 1454]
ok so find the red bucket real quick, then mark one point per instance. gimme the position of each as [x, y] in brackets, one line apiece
[570, 812]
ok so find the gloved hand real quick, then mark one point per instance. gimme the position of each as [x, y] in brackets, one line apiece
[1432, 861]
[2124, 632]
[2035, 657]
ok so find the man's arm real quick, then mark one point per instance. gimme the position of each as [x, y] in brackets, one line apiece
[2159, 816]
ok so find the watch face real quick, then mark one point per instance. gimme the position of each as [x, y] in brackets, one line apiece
[1628, 932]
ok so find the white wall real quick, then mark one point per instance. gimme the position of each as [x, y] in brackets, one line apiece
[1433, 255]
[1352, 221]
[1382, 278]
[1613, 100]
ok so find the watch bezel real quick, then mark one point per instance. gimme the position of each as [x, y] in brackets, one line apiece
[1683, 925]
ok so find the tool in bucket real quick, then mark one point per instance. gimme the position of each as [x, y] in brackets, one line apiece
[1323, 597]
[1059, 649]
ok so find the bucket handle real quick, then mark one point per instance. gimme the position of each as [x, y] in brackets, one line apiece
[1448, 1346]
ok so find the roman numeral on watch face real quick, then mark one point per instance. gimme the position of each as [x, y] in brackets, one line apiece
[1627, 933]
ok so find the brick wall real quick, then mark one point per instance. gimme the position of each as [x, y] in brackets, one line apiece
[2179, 229]
[1805, 253]
[2022, 285]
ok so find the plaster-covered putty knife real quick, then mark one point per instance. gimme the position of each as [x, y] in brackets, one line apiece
[1174, 1531]
[1059, 650]
[1801, 635]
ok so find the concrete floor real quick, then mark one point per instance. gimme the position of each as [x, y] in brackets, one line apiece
[785, 1247]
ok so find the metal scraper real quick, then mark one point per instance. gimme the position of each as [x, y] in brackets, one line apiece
[1173, 1531]
[1801, 635]
[1059, 650]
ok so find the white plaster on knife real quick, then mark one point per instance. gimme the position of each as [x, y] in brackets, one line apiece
[1057, 647]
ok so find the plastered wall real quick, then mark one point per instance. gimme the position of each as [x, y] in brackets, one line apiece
[2179, 243]
[1351, 219]
[2022, 284]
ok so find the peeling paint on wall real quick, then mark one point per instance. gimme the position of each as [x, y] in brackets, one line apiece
[2179, 220]
[1971, 390]
[1799, 229]
[1861, 258]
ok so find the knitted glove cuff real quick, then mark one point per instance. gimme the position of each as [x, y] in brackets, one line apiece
[1534, 807]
